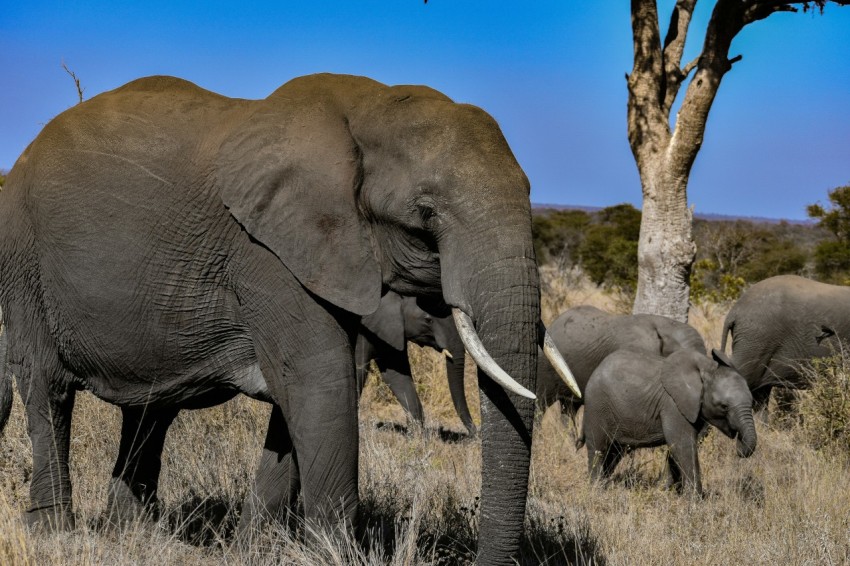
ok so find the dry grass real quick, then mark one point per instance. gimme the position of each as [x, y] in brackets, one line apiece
[787, 504]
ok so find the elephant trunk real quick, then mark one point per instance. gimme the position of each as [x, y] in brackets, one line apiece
[455, 373]
[742, 420]
[506, 313]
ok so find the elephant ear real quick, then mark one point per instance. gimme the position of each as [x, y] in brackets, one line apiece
[387, 323]
[721, 358]
[681, 377]
[290, 174]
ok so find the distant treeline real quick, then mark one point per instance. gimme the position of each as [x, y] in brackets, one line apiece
[730, 254]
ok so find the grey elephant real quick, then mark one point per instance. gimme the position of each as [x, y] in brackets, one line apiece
[383, 337]
[586, 335]
[781, 323]
[637, 400]
[165, 247]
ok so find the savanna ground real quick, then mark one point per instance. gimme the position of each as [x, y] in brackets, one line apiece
[788, 504]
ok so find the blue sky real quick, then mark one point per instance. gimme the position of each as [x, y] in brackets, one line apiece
[551, 72]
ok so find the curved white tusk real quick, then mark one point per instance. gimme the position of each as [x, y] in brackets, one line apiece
[447, 354]
[558, 362]
[487, 364]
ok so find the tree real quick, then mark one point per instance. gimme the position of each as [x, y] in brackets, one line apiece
[665, 155]
[832, 257]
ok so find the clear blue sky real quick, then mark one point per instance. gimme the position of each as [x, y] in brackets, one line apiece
[551, 72]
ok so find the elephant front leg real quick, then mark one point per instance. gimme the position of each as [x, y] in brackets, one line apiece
[304, 348]
[326, 440]
[681, 436]
[135, 477]
[49, 425]
[277, 483]
[395, 371]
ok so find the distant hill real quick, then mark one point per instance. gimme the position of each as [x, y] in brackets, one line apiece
[538, 208]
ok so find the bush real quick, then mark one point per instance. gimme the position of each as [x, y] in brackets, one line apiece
[832, 257]
[825, 408]
[709, 284]
[832, 261]
[602, 243]
[557, 236]
[732, 254]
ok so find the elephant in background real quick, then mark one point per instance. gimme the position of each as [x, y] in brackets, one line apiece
[638, 400]
[383, 337]
[165, 247]
[781, 323]
[586, 335]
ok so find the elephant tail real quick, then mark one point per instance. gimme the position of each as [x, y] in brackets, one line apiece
[728, 326]
[5, 378]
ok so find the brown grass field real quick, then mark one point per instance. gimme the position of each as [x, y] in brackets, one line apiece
[788, 504]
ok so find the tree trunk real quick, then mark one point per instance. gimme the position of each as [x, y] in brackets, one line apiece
[666, 247]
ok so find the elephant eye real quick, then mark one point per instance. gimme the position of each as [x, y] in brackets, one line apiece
[426, 214]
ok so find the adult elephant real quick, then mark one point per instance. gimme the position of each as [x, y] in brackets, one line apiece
[383, 338]
[781, 323]
[165, 247]
[586, 335]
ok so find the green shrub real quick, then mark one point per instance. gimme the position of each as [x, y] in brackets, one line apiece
[708, 284]
[825, 408]
[558, 234]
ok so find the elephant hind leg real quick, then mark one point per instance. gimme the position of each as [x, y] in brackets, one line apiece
[395, 371]
[602, 458]
[46, 390]
[135, 477]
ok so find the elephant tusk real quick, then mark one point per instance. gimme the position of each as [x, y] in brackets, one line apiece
[447, 354]
[557, 360]
[487, 364]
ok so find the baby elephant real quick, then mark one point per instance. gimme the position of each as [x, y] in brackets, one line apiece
[636, 400]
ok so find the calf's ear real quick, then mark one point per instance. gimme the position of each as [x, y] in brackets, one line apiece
[387, 323]
[681, 378]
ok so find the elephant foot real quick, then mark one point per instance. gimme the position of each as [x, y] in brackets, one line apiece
[54, 518]
[123, 506]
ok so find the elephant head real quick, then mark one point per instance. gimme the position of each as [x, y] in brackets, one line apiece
[712, 390]
[358, 187]
[399, 319]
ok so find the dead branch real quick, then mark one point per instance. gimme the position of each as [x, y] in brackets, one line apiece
[76, 81]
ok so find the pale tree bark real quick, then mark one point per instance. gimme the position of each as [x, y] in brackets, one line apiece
[665, 155]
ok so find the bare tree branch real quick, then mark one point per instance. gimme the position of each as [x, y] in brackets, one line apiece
[645, 81]
[76, 81]
[674, 46]
[686, 70]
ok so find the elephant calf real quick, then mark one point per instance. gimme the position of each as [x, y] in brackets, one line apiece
[383, 337]
[637, 400]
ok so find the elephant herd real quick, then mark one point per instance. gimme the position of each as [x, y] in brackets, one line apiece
[165, 248]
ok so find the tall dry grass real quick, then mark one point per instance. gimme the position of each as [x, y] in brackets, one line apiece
[789, 503]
